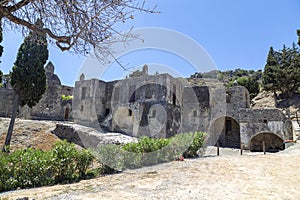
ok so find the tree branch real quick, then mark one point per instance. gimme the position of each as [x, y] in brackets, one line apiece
[59, 39]
[18, 5]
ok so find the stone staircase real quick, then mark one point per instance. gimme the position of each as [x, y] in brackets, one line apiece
[232, 141]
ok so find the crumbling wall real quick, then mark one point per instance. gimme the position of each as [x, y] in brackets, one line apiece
[237, 97]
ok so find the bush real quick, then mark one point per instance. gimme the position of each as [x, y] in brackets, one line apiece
[149, 151]
[32, 168]
[146, 145]
[197, 146]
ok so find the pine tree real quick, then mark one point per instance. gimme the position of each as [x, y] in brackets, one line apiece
[282, 71]
[271, 72]
[28, 77]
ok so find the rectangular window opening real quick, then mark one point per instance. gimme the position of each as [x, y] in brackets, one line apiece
[129, 112]
[195, 113]
[83, 93]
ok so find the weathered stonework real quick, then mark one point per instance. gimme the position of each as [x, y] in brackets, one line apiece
[162, 106]
[50, 107]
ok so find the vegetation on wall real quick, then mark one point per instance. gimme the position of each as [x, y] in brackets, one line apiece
[66, 97]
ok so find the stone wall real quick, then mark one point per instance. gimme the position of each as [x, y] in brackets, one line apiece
[50, 106]
[6, 102]
[162, 106]
[255, 121]
[89, 102]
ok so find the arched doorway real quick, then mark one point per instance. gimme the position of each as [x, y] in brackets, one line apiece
[273, 142]
[226, 131]
[232, 133]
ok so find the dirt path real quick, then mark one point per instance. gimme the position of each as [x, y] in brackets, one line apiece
[252, 176]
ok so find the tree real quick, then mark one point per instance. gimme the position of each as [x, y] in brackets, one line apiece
[298, 33]
[271, 72]
[290, 75]
[78, 25]
[1, 48]
[251, 83]
[28, 77]
[282, 71]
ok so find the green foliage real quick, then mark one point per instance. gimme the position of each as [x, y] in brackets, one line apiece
[251, 84]
[66, 97]
[282, 71]
[149, 151]
[32, 168]
[146, 145]
[28, 76]
[196, 145]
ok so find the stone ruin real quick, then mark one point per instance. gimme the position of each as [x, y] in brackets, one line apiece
[50, 107]
[160, 106]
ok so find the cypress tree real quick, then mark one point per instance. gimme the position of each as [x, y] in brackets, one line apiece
[28, 77]
[271, 72]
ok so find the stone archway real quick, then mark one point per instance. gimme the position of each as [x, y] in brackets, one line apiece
[226, 131]
[273, 142]
[232, 133]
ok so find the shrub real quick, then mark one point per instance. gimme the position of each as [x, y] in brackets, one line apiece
[149, 151]
[146, 145]
[32, 168]
[197, 145]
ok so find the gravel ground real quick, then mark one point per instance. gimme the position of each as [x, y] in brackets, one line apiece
[229, 176]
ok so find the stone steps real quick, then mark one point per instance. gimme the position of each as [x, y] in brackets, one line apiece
[233, 142]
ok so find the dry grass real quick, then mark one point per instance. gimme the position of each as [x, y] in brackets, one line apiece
[27, 133]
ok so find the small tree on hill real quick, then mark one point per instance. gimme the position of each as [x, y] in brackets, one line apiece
[28, 77]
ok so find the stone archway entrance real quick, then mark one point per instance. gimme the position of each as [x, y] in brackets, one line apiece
[226, 131]
[273, 142]
[232, 133]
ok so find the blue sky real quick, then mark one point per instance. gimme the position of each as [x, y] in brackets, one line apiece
[235, 33]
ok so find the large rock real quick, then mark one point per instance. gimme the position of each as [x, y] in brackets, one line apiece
[89, 137]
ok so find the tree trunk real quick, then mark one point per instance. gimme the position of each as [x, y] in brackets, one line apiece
[275, 98]
[11, 124]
